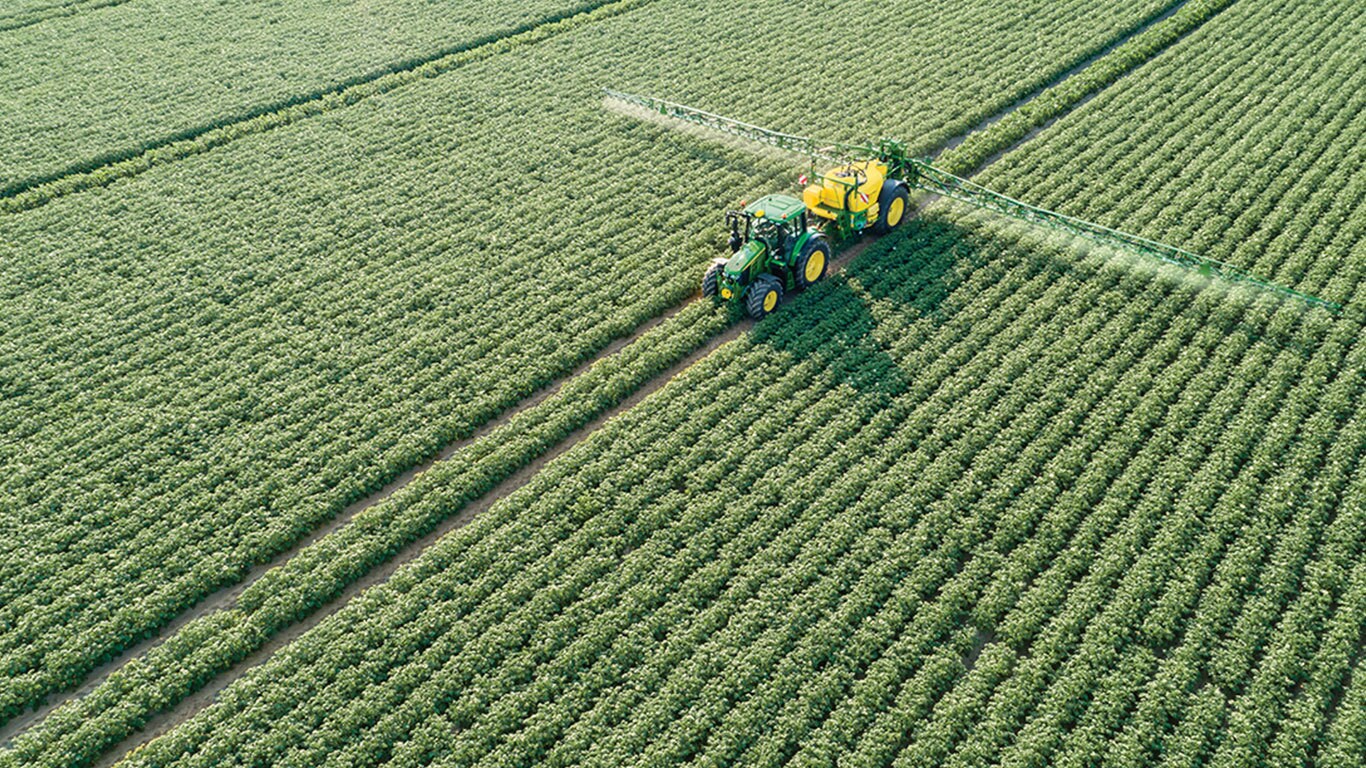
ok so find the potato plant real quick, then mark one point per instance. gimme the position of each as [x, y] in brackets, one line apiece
[95, 84]
[985, 498]
[210, 358]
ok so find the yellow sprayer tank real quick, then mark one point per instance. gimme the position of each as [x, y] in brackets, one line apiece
[859, 183]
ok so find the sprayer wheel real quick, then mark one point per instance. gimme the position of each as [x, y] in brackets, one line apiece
[892, 204]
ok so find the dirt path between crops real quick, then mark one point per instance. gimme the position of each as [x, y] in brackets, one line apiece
[227, 597]
[1100, 53]
[201, 699]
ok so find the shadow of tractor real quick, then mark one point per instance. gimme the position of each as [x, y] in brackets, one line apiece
[853, 322]
[902, 278]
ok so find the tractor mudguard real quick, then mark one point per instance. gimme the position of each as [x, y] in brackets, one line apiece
[797, 246]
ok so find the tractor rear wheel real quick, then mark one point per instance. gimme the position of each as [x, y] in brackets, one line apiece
[712, 278]
[892, 203]
[763, 297]
[814, 261]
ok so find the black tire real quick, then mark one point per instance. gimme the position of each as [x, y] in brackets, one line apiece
[712, 277]
[763, 297]
[815, 255]
[893, 207]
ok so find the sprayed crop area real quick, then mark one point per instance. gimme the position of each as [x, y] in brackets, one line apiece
[216, 341]
[986, 497]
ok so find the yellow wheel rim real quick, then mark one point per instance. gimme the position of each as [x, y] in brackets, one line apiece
[725, 293]
[895, 211]
[815, 266]
[770, 301]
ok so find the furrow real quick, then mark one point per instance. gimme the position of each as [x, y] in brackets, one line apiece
[106, 169]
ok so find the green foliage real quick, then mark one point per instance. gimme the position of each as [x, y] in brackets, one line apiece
[984, 498]
[980, 147]
[91, 83]
[318, 574]
[231, 337]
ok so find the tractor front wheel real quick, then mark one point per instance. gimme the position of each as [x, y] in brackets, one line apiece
[763, 297]
[814, 261]
[892, 204]
[712, 278]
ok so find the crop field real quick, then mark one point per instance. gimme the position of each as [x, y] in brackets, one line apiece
[234, 374]
[358, 407]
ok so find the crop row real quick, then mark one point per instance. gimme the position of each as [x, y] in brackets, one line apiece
[1276, 196]
[96, 86]
[77, 734]
[868, 445]
[982, 499]
[208, 360]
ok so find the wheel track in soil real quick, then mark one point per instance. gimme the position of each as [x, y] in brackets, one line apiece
[58, 11]
[191, 705]
[227, 597]
[105, 169]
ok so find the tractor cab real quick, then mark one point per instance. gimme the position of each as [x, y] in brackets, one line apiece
[770, 220]
[762, 233]
[773, 250]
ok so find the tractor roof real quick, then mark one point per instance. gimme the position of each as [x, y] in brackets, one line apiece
[775, 207]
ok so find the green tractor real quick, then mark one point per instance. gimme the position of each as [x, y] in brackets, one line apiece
[775, 250]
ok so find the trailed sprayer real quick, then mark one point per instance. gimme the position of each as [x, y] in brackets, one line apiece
[780, 243]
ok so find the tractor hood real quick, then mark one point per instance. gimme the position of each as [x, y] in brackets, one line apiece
[776, 208]
[743, 258]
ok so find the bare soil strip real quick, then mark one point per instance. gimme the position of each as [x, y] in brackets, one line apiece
[1100, 53]
[39, 15]
[225, 599]
[106, 169]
